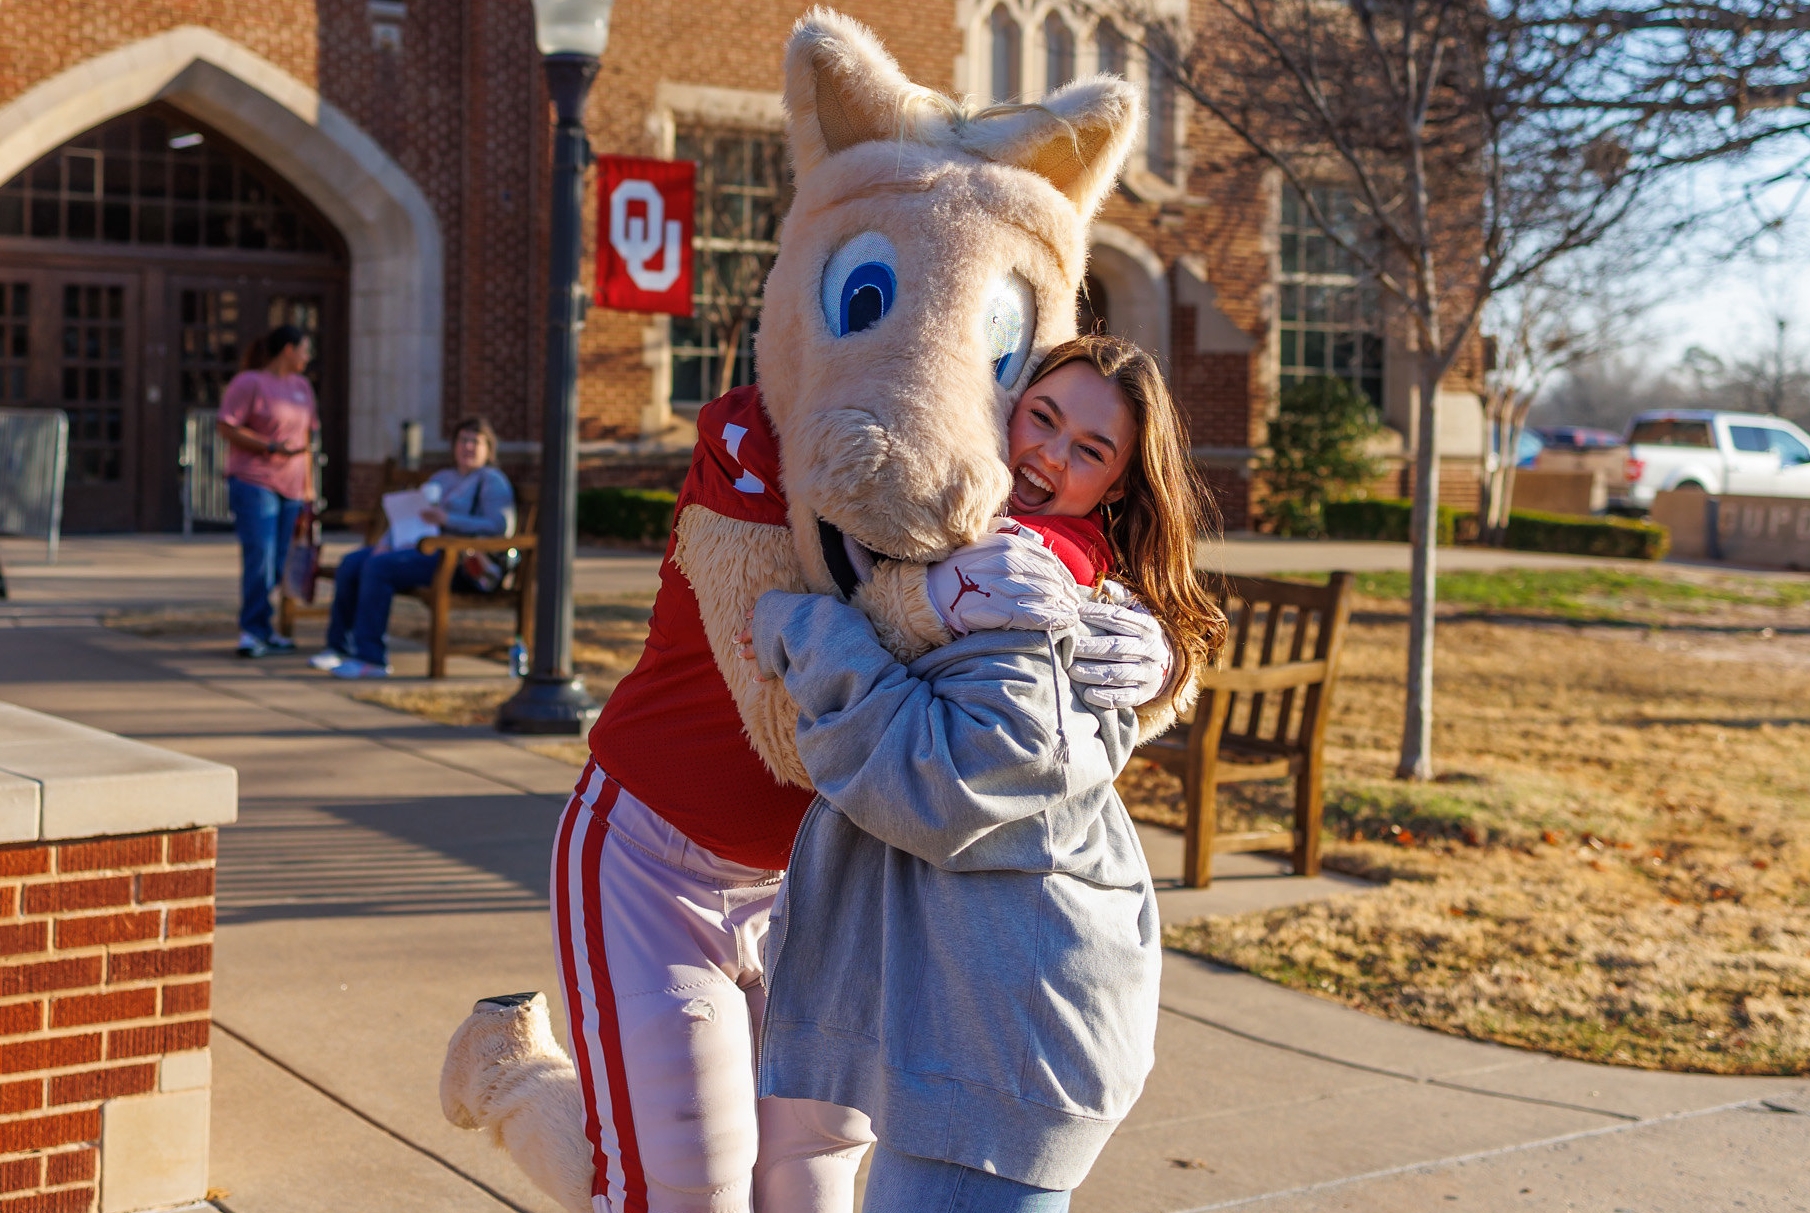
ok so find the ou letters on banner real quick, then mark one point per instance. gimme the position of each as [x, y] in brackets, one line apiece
[644, 226]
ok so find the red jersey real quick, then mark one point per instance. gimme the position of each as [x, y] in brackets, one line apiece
[670, 733]
[1079, 543]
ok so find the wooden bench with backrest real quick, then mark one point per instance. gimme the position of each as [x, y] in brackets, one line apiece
[439, 595]
[1262, 715]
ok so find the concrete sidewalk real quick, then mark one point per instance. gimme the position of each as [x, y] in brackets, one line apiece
[101, 574]
[385, 872]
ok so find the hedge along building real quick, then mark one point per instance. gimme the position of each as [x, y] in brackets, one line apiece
[377, 173]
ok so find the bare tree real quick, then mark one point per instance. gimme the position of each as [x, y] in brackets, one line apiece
[731, 299]
[744, 190]
[1479, 143]
[1568, 315]
[1773, 378]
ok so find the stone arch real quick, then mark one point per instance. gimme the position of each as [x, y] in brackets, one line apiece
[1136, 285]
[397, 265]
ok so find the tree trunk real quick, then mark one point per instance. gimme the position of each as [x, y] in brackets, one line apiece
[726, 355]
[1417, 725]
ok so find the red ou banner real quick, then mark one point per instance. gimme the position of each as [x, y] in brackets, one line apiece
[644, 225]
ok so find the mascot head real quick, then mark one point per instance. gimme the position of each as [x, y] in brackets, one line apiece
[931, 256]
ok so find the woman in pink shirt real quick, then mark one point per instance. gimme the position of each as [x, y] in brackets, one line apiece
[268, 418]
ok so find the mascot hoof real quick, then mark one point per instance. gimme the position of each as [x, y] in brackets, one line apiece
[500, 1034]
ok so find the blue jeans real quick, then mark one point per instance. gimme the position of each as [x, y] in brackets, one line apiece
[363, 589]
[904, 1183]
[264, 522]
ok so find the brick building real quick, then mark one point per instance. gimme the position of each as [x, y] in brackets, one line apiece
[175, 177]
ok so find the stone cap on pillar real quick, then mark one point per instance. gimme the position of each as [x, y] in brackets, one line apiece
[63, 780]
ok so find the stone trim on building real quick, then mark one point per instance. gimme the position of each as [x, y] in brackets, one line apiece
[389, 227]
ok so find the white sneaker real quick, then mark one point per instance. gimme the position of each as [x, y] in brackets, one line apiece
[328, 659]
[352, 667]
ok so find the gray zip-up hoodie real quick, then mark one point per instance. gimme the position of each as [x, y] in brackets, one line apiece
[966, 943]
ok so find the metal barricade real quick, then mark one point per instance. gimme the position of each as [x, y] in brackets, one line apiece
[203, 471]
[34, 457]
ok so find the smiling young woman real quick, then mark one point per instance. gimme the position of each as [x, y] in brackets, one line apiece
[1070, 440]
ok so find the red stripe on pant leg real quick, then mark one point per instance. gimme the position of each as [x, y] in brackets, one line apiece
[576, 810]
[609, 1030]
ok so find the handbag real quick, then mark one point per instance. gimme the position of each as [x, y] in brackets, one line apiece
[301, 568]
[485, 571]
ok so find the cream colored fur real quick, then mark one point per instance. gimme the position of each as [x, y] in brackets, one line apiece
[730, 564]
[897, 434]
[506, 1074]
[897, 602]
[1161, 713]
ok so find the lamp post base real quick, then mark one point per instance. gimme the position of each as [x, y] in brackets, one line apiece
[550, 707]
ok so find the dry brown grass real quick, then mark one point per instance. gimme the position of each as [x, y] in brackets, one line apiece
[1615, 867]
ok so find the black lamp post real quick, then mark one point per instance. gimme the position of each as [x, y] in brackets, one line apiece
[571, 35]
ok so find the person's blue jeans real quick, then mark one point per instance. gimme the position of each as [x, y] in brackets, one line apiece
[264, 522]
[363, 589]
[905, 1183]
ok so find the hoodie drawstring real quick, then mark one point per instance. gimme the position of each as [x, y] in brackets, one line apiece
[1056, 673]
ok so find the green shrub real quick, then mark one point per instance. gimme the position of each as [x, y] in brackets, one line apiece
[1623, 538]
[1385, 518]
[634, 515]
[1528, 531]
[1316, 453]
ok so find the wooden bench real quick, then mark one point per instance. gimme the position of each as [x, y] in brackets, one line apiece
[1261, 716]
[440, 596]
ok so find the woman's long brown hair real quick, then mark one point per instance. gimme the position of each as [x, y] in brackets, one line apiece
[1166, 507]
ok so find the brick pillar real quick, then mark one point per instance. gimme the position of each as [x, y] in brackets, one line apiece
[108, 950]
[106, 961]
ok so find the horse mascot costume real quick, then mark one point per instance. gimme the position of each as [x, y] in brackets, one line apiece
[932, 253]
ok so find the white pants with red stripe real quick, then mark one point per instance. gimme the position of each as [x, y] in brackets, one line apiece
[659, 947]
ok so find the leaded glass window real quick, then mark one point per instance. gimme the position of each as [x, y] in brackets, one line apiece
[1058, 53]
[151, 177]
[1329, 313]
[1008, 56]
[1109, 49]
[94, 368]
[15, 338]
[743, 191]
[1159, 134]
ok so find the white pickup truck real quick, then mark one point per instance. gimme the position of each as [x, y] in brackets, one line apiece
[1751, 454]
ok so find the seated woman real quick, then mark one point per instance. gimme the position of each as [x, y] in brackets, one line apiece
[474, 499]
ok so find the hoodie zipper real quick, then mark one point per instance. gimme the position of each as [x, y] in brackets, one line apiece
[777, 937]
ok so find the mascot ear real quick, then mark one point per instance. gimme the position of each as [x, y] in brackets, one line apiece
[1077, 139]
[842, 88]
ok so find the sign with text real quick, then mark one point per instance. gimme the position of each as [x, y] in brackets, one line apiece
[644, 223]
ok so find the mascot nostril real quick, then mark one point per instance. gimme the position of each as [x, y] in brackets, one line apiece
[932, 254]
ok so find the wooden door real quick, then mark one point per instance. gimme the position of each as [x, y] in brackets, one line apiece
[71, 342]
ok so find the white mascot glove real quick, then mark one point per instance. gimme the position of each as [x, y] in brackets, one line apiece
[1003, 580]
[1128, 666]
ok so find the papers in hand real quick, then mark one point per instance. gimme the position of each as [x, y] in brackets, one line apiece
[407, 527]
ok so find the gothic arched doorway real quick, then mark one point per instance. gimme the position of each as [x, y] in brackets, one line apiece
[135, 263]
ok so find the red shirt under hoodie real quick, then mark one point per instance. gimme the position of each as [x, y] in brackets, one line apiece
[670, 733]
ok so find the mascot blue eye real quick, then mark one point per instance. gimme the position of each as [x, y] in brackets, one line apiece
[1010, 315]
[859, 284]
